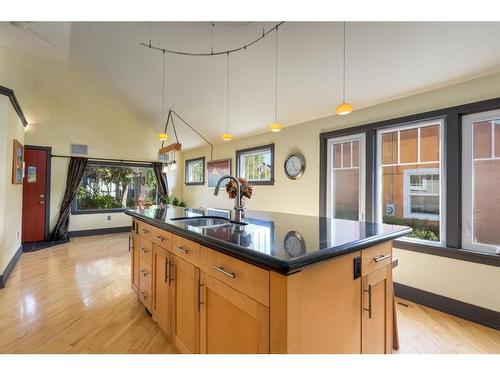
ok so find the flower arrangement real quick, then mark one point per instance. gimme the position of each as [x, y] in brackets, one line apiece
[245, 188]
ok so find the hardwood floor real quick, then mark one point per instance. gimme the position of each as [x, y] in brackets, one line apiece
[76, 298]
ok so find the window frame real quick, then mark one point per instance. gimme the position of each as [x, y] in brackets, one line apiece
[468, 180]
[452, 163]
[442, 180]
[74, 210]
[361, 138]
[186, 164]
[253, 149]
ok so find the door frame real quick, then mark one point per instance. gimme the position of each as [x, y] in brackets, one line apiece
[361, 137]
[48, 151]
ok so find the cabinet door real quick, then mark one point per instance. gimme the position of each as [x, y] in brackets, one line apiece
[231, 322]
[134, 267]
[377, 312]
[185, 305]
[161, 290]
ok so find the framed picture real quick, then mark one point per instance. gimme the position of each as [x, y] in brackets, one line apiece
[216, 169]
[17, 162]
[194, 171]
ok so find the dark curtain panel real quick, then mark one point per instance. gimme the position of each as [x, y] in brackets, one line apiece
[161, 179]
[75, 174]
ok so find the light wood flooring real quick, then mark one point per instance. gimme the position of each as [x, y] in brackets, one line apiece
[76, 298]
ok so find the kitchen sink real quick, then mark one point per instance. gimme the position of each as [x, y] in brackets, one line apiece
[206, 221]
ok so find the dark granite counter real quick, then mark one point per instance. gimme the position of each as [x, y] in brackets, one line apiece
[277, 241]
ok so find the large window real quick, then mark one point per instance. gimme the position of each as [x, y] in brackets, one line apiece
[115, 187]
[410, 178]
[194, 172]
[256, 164]
[481, 182]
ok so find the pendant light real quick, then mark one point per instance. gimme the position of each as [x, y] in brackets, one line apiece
[343, 108]
[276, 126]
[163, 136]
[227, 136]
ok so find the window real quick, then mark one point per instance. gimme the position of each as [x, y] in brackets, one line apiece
[410, 178]
[256, 164]
[481, 182]
[194, 172]
[115, 187]
[346, 177]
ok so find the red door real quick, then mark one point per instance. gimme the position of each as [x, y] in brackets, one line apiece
[34, 195]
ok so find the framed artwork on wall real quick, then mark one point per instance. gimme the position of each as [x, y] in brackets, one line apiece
[17, 162]
[216, 169]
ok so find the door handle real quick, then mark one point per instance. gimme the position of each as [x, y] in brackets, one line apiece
[170, 278]
[369, 309]
[232, 275]
[199, 294]
[167, 268]
[382, 257]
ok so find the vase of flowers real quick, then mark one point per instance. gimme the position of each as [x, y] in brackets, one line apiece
[245, 190]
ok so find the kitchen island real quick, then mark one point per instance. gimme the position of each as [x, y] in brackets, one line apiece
[276, 283]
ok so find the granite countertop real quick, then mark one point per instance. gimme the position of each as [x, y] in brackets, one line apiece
[281, 242]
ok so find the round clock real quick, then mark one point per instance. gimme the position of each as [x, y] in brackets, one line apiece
[294, 244]
[295, 164]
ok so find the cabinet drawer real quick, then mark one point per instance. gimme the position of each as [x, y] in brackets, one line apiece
[186, 249]
[246, 278]
[144, 229]
[161, 238]
[145, 276]
[145, 250]
[376, 257]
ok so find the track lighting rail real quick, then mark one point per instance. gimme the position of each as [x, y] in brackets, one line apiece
[212, 52]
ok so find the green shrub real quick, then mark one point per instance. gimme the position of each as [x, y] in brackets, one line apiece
[422, 229]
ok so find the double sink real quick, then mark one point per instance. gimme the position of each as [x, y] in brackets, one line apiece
[206, 221]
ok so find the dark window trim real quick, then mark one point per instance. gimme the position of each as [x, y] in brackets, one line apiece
[74, 209]
[186, 162]
[13, 99]
[48, 166]
[452, 163]
[245, 150]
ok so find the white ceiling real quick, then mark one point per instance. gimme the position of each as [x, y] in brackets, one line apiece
[385, 61]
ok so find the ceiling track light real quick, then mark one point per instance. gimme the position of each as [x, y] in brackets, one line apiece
[276, 126]
[343, 108]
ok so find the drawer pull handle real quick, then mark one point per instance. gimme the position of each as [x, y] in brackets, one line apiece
[382, 257]
[143, 294]
[144, 231]
[232, 275]
[369, 309]
[181, 250]
[145, 250]
[144, 272]
[160, 238]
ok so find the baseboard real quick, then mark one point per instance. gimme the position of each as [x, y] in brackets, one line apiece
[6, 273]
[95, 232]
[473, 313]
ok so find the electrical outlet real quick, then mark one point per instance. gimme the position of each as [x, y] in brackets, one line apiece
[109, 217]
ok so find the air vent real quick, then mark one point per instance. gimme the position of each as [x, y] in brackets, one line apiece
[78, 149]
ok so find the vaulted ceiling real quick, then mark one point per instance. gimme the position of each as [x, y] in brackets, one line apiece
[384, 61]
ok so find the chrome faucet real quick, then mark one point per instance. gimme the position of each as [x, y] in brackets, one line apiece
[239, 209]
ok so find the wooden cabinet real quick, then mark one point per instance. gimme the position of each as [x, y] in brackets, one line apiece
[377, 311]
[231, 322]
[185, 291]
[134, 267]
[161, 289]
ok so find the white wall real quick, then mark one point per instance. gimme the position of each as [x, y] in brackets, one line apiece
[63, 107]
[11, 195]
[465, 281]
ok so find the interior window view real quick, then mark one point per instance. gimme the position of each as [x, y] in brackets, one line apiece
[189, 186]
[114, 187]
[410, 175]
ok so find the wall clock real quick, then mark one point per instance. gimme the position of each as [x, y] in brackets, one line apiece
[294, 244]
[295, 164]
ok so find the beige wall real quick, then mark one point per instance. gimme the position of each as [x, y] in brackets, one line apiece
[302, 196]
[64, 107]
[11, 195]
